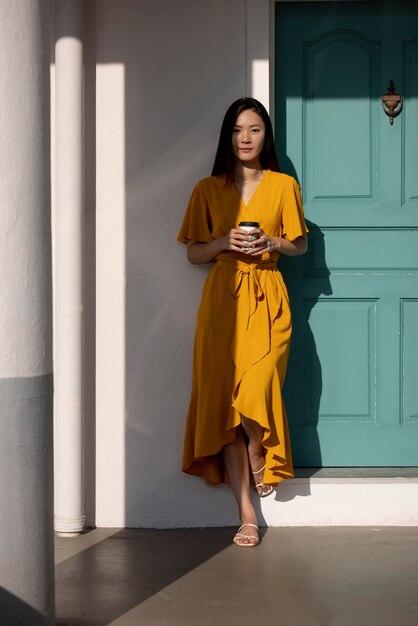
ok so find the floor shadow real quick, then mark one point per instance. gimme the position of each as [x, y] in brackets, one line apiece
[115, 575]
[301, 576]
[15, 612]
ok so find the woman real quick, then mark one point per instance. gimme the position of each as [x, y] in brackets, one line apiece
[237, 422]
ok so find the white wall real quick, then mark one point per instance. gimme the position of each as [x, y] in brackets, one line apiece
[159, 76]
[165, 76]
[26, 546]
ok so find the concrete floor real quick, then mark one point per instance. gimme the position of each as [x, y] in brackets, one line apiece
[330, 576]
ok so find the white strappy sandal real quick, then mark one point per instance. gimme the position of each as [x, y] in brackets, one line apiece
[239, 536]
[262, 489]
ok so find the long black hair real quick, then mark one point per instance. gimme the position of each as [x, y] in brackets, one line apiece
[225, 159]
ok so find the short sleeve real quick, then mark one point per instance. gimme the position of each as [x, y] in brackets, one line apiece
[293, 222]
[196, 224]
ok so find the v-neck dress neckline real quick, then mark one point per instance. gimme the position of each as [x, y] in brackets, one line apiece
[246, 204]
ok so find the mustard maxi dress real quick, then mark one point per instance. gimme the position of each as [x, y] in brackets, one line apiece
[243, 327]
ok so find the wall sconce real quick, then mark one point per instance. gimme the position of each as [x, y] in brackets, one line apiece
[392, 102]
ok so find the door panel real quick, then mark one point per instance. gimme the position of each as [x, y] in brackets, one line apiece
[409, 361]
[334, 177]
[410, 127]
[352, 385]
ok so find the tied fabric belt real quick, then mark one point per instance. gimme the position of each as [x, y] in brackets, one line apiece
[246, 274]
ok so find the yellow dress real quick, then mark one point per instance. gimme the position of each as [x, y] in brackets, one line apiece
[243, 327]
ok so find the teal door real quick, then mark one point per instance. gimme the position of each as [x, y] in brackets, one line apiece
[352, 386]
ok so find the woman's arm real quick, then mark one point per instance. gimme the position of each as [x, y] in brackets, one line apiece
[237, 241]
[198, 252]
[290, 248]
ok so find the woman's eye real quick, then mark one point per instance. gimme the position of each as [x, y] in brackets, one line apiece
[256, 130]
[236, 130]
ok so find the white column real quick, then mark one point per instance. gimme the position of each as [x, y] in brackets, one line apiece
[68, 265]
[26, 506]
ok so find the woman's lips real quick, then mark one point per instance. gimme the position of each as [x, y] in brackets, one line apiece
[245, 149]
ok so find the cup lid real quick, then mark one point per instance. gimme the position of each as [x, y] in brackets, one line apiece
[252, 224]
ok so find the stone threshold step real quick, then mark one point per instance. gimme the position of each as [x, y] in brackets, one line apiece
[356, 472]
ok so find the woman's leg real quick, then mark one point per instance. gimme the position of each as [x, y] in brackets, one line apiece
[236, 462]
[255, 432]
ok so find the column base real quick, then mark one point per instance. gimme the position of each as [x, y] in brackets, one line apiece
[69, 526]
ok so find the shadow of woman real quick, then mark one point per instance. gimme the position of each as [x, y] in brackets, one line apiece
[307, 279]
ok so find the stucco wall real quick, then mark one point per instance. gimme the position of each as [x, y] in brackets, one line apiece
[166, 73]
[158, 78]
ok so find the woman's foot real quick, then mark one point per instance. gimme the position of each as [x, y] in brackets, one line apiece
[257, 463]
[247, 536]
[262, 489]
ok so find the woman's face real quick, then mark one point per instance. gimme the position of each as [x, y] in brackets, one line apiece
[248, 137]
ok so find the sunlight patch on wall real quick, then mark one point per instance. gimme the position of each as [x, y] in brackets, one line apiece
[111, 274]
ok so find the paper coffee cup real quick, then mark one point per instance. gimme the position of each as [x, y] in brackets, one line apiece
[249, 226]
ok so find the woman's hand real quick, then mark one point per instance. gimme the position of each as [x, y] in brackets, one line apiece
[264, 244]
[237, 240]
